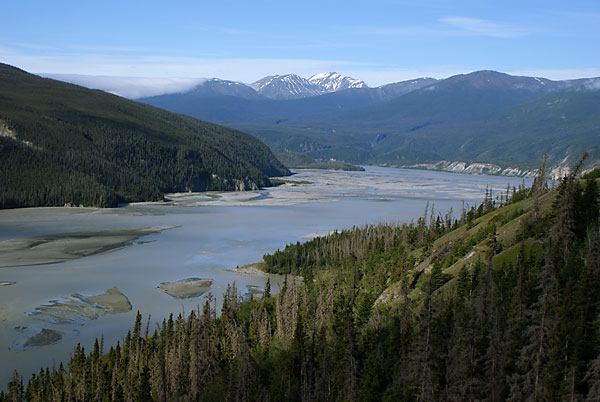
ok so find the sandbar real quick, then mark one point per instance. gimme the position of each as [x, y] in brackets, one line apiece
[44, 338]
[36, 338]
[186, 288]
[78, 308]
[55, 248]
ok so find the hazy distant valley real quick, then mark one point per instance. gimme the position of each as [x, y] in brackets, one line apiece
[481, 122]
[493, 122]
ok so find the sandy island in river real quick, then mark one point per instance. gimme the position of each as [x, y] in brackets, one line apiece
[186, 288]
[78, 308]
[44, 338]
[37, 338]
[75, 309]
[50, 249]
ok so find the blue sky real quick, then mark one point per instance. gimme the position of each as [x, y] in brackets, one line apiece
[377, 41]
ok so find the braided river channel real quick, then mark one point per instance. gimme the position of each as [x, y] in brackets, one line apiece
[71, 275]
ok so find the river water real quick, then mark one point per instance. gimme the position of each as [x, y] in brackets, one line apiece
[213, 233]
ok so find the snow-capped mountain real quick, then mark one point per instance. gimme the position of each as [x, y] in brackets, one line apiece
[292, 86]
[289, 86]
[333, 82]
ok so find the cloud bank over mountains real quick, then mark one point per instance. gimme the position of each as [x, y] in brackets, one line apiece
[129, 87]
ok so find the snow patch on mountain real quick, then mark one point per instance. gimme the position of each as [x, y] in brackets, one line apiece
[292, 86]
[333, 82]
[289, 86]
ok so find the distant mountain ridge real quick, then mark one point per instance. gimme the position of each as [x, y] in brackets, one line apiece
[285, 96]
[480, 117]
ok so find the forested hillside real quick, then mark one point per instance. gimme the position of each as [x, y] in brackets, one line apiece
[293, 160]
[64, 144]
[498, 304]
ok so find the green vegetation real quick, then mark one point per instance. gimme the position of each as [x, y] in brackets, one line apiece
[594, 174]
[499, 304]
[63, 144]
[511, 129]
[279, 182]
[293, 160]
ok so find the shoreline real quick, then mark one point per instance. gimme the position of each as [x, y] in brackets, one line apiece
[253, 269]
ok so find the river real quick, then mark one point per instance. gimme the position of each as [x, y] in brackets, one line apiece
[209, 234]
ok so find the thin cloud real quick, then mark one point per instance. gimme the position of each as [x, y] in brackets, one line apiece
[593, 84]
[481, 27]
[247, 70]
[138, 65]
[129, 87]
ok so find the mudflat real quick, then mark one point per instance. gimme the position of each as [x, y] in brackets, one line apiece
[44, 338]
[78, 308]
[55, 248]
[186, 288]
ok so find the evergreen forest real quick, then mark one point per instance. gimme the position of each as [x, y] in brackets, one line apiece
[62, 144]
[499, 304]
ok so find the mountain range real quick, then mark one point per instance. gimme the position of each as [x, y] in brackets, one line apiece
[508, 122]
[292, 86]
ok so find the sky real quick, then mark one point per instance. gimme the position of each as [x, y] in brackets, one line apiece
[166, 44]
